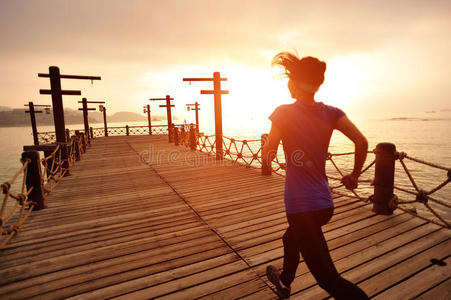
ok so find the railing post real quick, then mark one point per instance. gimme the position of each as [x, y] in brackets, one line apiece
[67, 135]
[83, 140]
[182, 135]
[92, 132]
[34, 179]
[192, 138]
[171, 132]
[176, 136]
[266, 164]
[77, 142]
[384, 178]
[127, 130]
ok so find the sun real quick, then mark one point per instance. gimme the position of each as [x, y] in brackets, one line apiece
[346, 81]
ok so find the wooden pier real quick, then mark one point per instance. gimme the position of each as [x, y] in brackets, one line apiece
[140, 218]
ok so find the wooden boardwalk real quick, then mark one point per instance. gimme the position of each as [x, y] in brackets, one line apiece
[183, 226]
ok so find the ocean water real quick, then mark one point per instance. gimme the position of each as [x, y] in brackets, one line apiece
[426, 136]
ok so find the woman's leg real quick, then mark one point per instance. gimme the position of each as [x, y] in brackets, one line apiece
[314, 250]
[290, 256]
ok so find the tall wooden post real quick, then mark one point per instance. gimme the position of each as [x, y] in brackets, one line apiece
[384, 178]
[217, 92]
[196, 107]
[149, 120]
[33, 123]
[84, 102]
[168, 113]
[104, 121]
[218, 114]
[88, 131]
[32, 111]
[57, 104]
[34, 179]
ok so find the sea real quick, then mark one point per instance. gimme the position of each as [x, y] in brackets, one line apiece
[426, 136]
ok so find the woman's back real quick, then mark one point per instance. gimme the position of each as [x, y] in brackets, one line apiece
[306, 129]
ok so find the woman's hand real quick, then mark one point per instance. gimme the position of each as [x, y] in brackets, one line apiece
[350, 181]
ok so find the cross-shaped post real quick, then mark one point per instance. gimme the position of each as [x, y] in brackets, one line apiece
[168, 112]
[85, 109]
[147, 110]
[57, 104]
[196, 107]
[217, 92]
[32, 113]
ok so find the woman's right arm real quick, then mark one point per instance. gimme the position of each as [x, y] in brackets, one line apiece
[361, 148]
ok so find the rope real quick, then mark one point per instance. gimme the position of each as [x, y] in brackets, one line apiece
[421, 196]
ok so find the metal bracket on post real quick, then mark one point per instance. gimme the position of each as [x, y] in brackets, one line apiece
[217, 92]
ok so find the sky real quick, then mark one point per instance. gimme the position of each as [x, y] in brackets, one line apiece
[382, 56]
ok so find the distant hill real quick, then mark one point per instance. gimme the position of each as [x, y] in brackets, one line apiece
[17, 117]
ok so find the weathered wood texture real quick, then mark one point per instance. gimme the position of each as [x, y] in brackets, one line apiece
[141, 218]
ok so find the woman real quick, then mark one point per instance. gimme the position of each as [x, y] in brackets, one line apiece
[305, 128]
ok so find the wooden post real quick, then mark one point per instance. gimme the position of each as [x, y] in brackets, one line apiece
[195, 106]
[67, 135]
[149, 120]
[33, 123]
[84, 102]
[182, 135]
[218, 115]
[176, 136]
[192, 138]
[384, 178]
[104, 121]
[34, 179]
[57, 104]
[266, 164]
[217, 92]
[32, 111]
[91, 130]
[83, 141]
[77, 142]
[168, 112]
[127, 130]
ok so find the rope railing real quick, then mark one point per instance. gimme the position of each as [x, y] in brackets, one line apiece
[422, 196]
[21, 202]
[355, 194]
[36, 183]
[249, 153]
